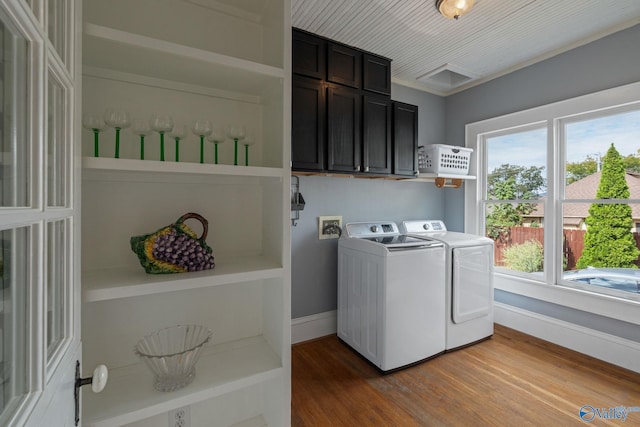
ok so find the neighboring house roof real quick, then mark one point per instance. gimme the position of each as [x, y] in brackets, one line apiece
[586, 189]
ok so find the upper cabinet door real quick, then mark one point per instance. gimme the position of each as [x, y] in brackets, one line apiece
[344, 106]
[308, 124]
[376, 134]
[309, 55]
[376, 74]
[405, 139]
[344, 65]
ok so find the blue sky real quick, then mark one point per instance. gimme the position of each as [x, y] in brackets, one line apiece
[584, 138]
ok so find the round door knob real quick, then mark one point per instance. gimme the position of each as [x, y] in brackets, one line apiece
[98, 381]
[99, 378]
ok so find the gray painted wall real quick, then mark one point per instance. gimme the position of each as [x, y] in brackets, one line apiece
[313, 261]
[603, 64]
[609, 62]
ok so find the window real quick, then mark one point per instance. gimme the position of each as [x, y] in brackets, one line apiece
[558, 189]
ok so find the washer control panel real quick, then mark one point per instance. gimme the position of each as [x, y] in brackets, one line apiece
[371, 229]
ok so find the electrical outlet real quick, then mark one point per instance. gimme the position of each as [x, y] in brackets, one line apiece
[180, 417]
[329, 227]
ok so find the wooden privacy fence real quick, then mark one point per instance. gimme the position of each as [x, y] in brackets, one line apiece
[573, 243]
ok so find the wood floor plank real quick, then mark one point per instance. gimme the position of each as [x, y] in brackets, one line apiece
[511, 379]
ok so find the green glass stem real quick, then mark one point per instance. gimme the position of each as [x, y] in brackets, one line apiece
[201, 148]
[162, 146]
[246, 154]
[215, 150]
[117, 143]
[96, 142]
[235, 152]
[141, 147]
[177, 149]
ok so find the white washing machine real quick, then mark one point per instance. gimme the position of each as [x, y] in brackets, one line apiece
[391, 293]
[469, 276]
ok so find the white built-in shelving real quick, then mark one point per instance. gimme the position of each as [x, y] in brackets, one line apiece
[190, 59]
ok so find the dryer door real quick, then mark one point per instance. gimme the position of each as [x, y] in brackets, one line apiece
[472, 282]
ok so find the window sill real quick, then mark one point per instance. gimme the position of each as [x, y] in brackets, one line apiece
[604, 305]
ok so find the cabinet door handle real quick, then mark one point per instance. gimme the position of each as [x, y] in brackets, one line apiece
[98, 381]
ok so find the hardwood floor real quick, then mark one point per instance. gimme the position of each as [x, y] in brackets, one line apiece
[511, 379]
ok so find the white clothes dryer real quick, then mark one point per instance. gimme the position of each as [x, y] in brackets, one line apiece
[469, 278]
[391, 293]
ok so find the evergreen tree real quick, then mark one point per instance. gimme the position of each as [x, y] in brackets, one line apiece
[608, 241]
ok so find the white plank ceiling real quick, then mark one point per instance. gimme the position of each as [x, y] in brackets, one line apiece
[444, 56]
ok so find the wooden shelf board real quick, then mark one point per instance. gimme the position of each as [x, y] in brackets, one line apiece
[129, 395]
[154, 166]
[423, 177]
[134, 53]
[113, 283]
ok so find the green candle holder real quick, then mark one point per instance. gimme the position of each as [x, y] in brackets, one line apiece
[142, 129]
[237, 133]
[201, 128]
[117, 119]
[161, 124]
[95, 124]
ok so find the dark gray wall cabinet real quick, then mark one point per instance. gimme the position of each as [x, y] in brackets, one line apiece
[310, 55]
[342, 117]
[405, 139]
[376, 134]
[308, 118]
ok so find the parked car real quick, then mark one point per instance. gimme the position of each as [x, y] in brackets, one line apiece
[624, 279]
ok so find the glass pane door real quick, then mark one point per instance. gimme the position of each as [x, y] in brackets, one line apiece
[15, 265]
[14, 151]
[57, 279]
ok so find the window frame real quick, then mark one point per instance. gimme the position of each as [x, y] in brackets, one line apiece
[551, 115]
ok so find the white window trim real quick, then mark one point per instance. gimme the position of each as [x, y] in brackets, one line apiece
[605, 305]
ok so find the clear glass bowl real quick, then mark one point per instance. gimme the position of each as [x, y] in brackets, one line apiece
[171, 354]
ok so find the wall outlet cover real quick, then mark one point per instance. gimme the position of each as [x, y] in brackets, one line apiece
[180, 417]
[329, 227]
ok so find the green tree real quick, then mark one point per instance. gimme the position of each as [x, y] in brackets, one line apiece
[578, 170]
[523, 182]
[511, 182]
[608, 241]
[632, 162]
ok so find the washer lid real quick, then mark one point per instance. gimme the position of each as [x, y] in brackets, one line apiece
[403, 241]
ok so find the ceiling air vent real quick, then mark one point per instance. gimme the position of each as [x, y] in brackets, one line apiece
[447, 77]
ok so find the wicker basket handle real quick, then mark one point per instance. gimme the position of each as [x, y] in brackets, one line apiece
[205, 223]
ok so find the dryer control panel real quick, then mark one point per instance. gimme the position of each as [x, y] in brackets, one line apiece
[424, 226]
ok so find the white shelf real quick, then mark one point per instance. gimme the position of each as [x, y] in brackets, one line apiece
[432, 176]
[129, 395]
[90, 164]
[127, 52]
[113, 283]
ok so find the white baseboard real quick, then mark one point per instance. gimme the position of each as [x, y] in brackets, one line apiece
[606, 347]
[603, 346]
[314, 326]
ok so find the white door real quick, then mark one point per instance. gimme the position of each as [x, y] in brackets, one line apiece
[39, 216]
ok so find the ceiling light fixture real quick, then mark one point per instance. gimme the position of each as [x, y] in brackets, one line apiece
[454, 8]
